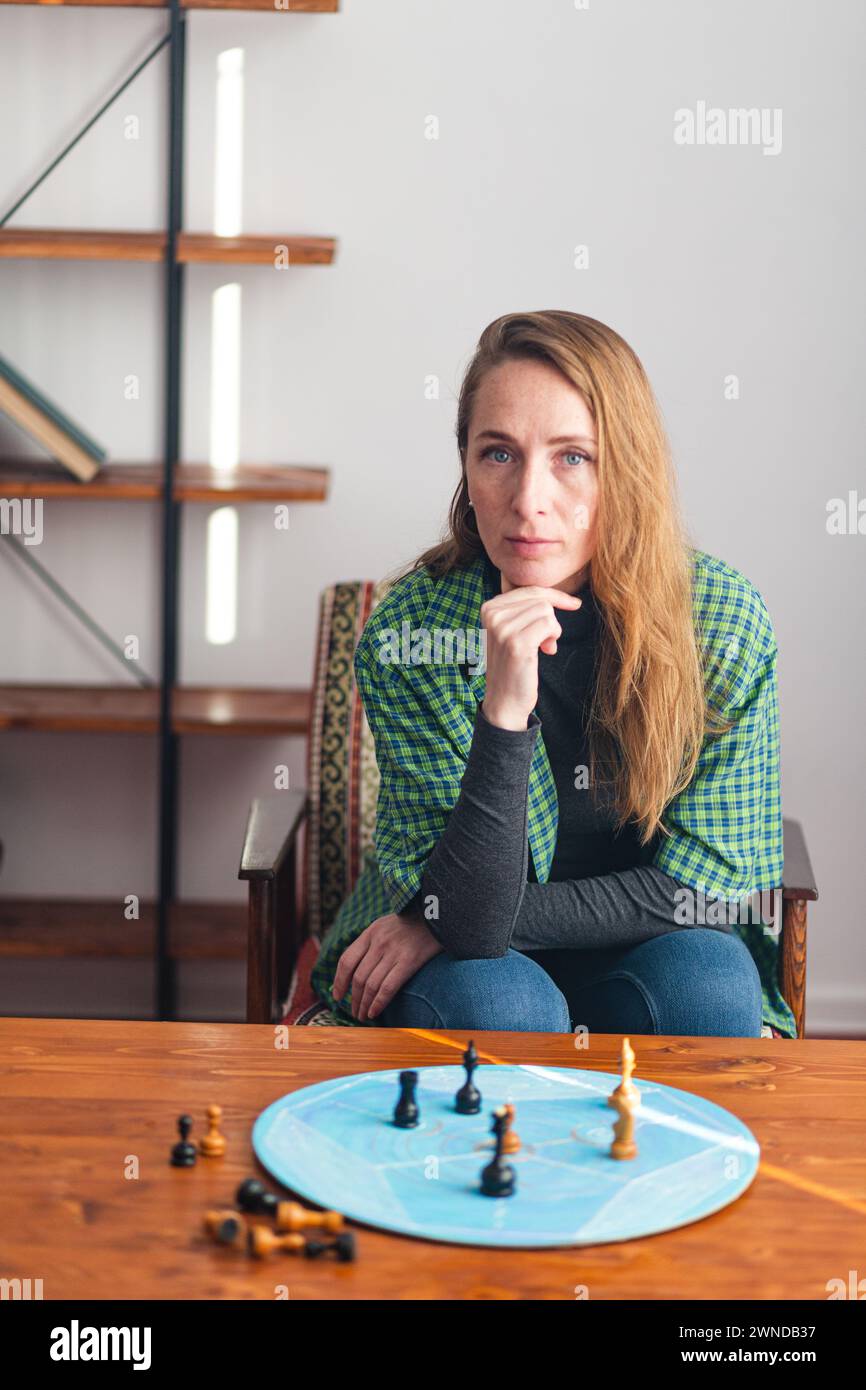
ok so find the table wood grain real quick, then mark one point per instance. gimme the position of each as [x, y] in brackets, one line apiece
[83, 1102]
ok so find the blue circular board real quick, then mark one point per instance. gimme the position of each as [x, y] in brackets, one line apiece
[335, 1144]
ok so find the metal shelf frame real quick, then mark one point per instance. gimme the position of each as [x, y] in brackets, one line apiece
[165, 991]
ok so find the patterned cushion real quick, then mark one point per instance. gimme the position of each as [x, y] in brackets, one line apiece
[342, 782]
[342, 776]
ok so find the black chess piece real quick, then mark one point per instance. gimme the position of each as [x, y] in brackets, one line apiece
[252, 1195]
[406, 1109]
[342, 1247]
[468, 1099]
[183, 1155]
[498, 1179]
[225, 1227]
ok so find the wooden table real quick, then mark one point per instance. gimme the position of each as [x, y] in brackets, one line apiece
[84, 1101]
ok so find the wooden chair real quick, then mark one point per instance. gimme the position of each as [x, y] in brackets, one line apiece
[289, 913]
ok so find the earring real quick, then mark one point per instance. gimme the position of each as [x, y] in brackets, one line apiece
[469, 501]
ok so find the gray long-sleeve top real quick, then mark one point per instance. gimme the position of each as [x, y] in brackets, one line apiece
[602, 889]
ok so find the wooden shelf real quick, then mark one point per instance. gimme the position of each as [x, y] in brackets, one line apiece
[286, 6]
[296, 6]
[201, 248]
[68, 244]
[193, 248]
[142, 482]
[97, 928]
[238, 711]
[228, 711]
[250, 482]
[117, 482]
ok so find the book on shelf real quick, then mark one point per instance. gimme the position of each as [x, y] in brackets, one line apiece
[48, 425]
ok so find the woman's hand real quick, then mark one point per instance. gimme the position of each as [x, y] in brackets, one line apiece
[519, 624]
[378, 963]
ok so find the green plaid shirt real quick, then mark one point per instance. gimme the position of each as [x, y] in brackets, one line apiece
[726, 826]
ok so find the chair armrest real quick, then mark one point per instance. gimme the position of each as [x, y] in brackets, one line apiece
[798, 888]
[272, 828]
[798, 880]
[269, 862]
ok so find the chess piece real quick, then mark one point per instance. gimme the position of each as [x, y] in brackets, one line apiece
[252, 1195]
[510, 1141]
[406, 1109]
[183, 1155]
[213, 1144]
[626, 1087]
[288, 1216]
[342, 1248]
[291, 1216]
[498, 1179]
[223, 1226]
[468, 1098]
[261, 1241]
[624, 1145]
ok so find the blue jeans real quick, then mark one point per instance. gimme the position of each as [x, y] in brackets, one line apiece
[696, 982]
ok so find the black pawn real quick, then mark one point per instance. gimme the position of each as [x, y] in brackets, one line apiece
[227, 1229]
[342, 1247]
[252, 1195]
[498, 1179]
[183, 1155]
[406, 1109]
[468, 1100]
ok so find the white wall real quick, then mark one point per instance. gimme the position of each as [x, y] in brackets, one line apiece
[556, 129]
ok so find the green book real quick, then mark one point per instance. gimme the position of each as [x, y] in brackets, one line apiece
[41, 403]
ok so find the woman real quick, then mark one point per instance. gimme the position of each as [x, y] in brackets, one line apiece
[570, 832]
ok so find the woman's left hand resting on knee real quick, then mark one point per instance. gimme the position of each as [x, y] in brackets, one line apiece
[378, 963]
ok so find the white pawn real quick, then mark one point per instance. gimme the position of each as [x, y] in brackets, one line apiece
[213, 1144]
[627, 1089]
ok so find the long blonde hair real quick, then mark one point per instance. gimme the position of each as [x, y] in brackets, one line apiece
[649, 712]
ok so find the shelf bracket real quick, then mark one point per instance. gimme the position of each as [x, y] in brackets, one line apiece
[80, 613]
[166, 38]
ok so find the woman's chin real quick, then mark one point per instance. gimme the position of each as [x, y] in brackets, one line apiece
[541, 572]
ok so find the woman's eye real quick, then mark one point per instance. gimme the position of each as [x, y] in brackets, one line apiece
[569, 454]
